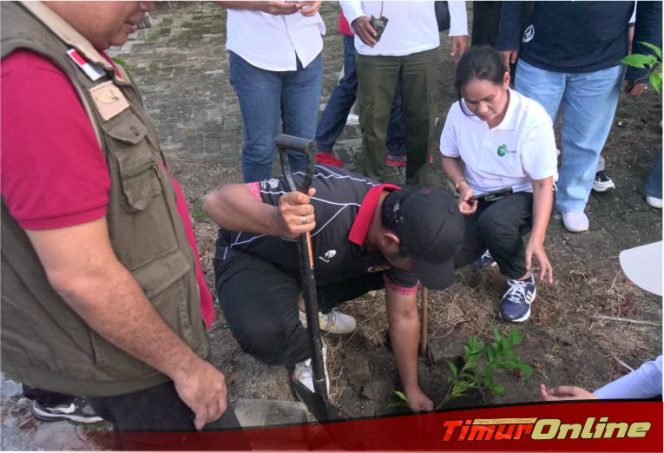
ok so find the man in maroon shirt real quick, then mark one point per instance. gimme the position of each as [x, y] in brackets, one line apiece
[58, 192]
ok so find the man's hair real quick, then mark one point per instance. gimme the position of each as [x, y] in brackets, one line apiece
[389, 213]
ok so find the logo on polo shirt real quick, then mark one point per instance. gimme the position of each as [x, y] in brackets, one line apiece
[528, 33]
[327, 256]
[502, 150]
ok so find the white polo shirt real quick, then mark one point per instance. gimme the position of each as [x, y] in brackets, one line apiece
[520, 149]
[411, 26]
[274, 42]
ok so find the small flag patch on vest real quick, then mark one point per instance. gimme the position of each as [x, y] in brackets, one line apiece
[93, 72]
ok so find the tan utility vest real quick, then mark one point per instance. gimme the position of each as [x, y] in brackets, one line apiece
[44, 343]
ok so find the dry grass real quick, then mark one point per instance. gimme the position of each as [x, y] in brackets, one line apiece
[562, 341]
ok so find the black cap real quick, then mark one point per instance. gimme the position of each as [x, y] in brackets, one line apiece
[430, 230]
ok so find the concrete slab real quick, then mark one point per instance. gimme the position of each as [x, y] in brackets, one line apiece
[253, 412]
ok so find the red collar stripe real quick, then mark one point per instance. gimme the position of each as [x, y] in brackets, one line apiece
[360, 229]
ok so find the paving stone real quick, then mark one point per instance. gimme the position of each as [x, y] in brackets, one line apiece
[253, 412]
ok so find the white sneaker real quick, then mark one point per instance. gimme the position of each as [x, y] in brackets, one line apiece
[654, 202]
[333, 322]
[352, 120]
[304, 373]
[576, 222]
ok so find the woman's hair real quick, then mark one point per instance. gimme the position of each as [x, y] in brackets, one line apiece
[481, 63]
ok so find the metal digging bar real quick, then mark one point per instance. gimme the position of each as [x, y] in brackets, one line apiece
[317, 402]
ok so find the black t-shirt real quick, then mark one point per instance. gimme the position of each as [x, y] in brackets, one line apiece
[340, 196]
[579, 36]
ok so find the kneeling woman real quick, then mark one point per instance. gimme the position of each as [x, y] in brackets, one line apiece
[495, 138]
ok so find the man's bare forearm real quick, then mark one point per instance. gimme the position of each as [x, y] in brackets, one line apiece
[105, 294]
[235, 208]
[83, 268]
[404, 330]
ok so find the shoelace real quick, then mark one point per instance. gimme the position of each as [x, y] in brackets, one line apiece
[517, 292]
[331, 318]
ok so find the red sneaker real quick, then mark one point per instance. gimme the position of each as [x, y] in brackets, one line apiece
[395, 161]
[328, 159]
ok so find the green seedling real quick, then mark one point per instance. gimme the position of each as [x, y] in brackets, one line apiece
[402, 401]
[482, 362]
[651, 62]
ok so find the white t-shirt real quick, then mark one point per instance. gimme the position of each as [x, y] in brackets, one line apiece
[274, 42]
[520, 149]
[411, 26]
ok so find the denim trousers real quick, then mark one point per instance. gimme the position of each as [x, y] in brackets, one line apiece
[653, 186]
[499, 226]
[377, 81]
[267, 98]
[333, 119]
[588, 102]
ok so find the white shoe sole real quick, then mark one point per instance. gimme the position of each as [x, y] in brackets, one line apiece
[575, 230]
[521, 319]
[603, 186]
[654, 202]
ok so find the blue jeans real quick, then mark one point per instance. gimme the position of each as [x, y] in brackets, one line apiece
[333, 119]
[266, 97]
[653, 187]
[589, 101]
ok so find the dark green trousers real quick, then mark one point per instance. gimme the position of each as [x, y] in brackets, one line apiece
[377, 78]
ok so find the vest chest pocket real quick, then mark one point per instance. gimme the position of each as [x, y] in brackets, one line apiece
[137, 162]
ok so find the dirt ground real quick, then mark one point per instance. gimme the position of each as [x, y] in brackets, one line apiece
[182, 68]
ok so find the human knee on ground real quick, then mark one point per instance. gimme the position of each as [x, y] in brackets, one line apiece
[272, 340]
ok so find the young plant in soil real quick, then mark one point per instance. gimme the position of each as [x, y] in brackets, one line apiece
[482, 362]
[651, 62]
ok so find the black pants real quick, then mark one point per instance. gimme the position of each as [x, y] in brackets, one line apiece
[259, 302]
[46, 397]
[157, 419]
[499, 226]
[486, 18]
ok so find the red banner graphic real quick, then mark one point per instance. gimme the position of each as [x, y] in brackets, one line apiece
[607, 426]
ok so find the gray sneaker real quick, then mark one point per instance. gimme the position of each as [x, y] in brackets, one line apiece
[77, 411]
[515, 304]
